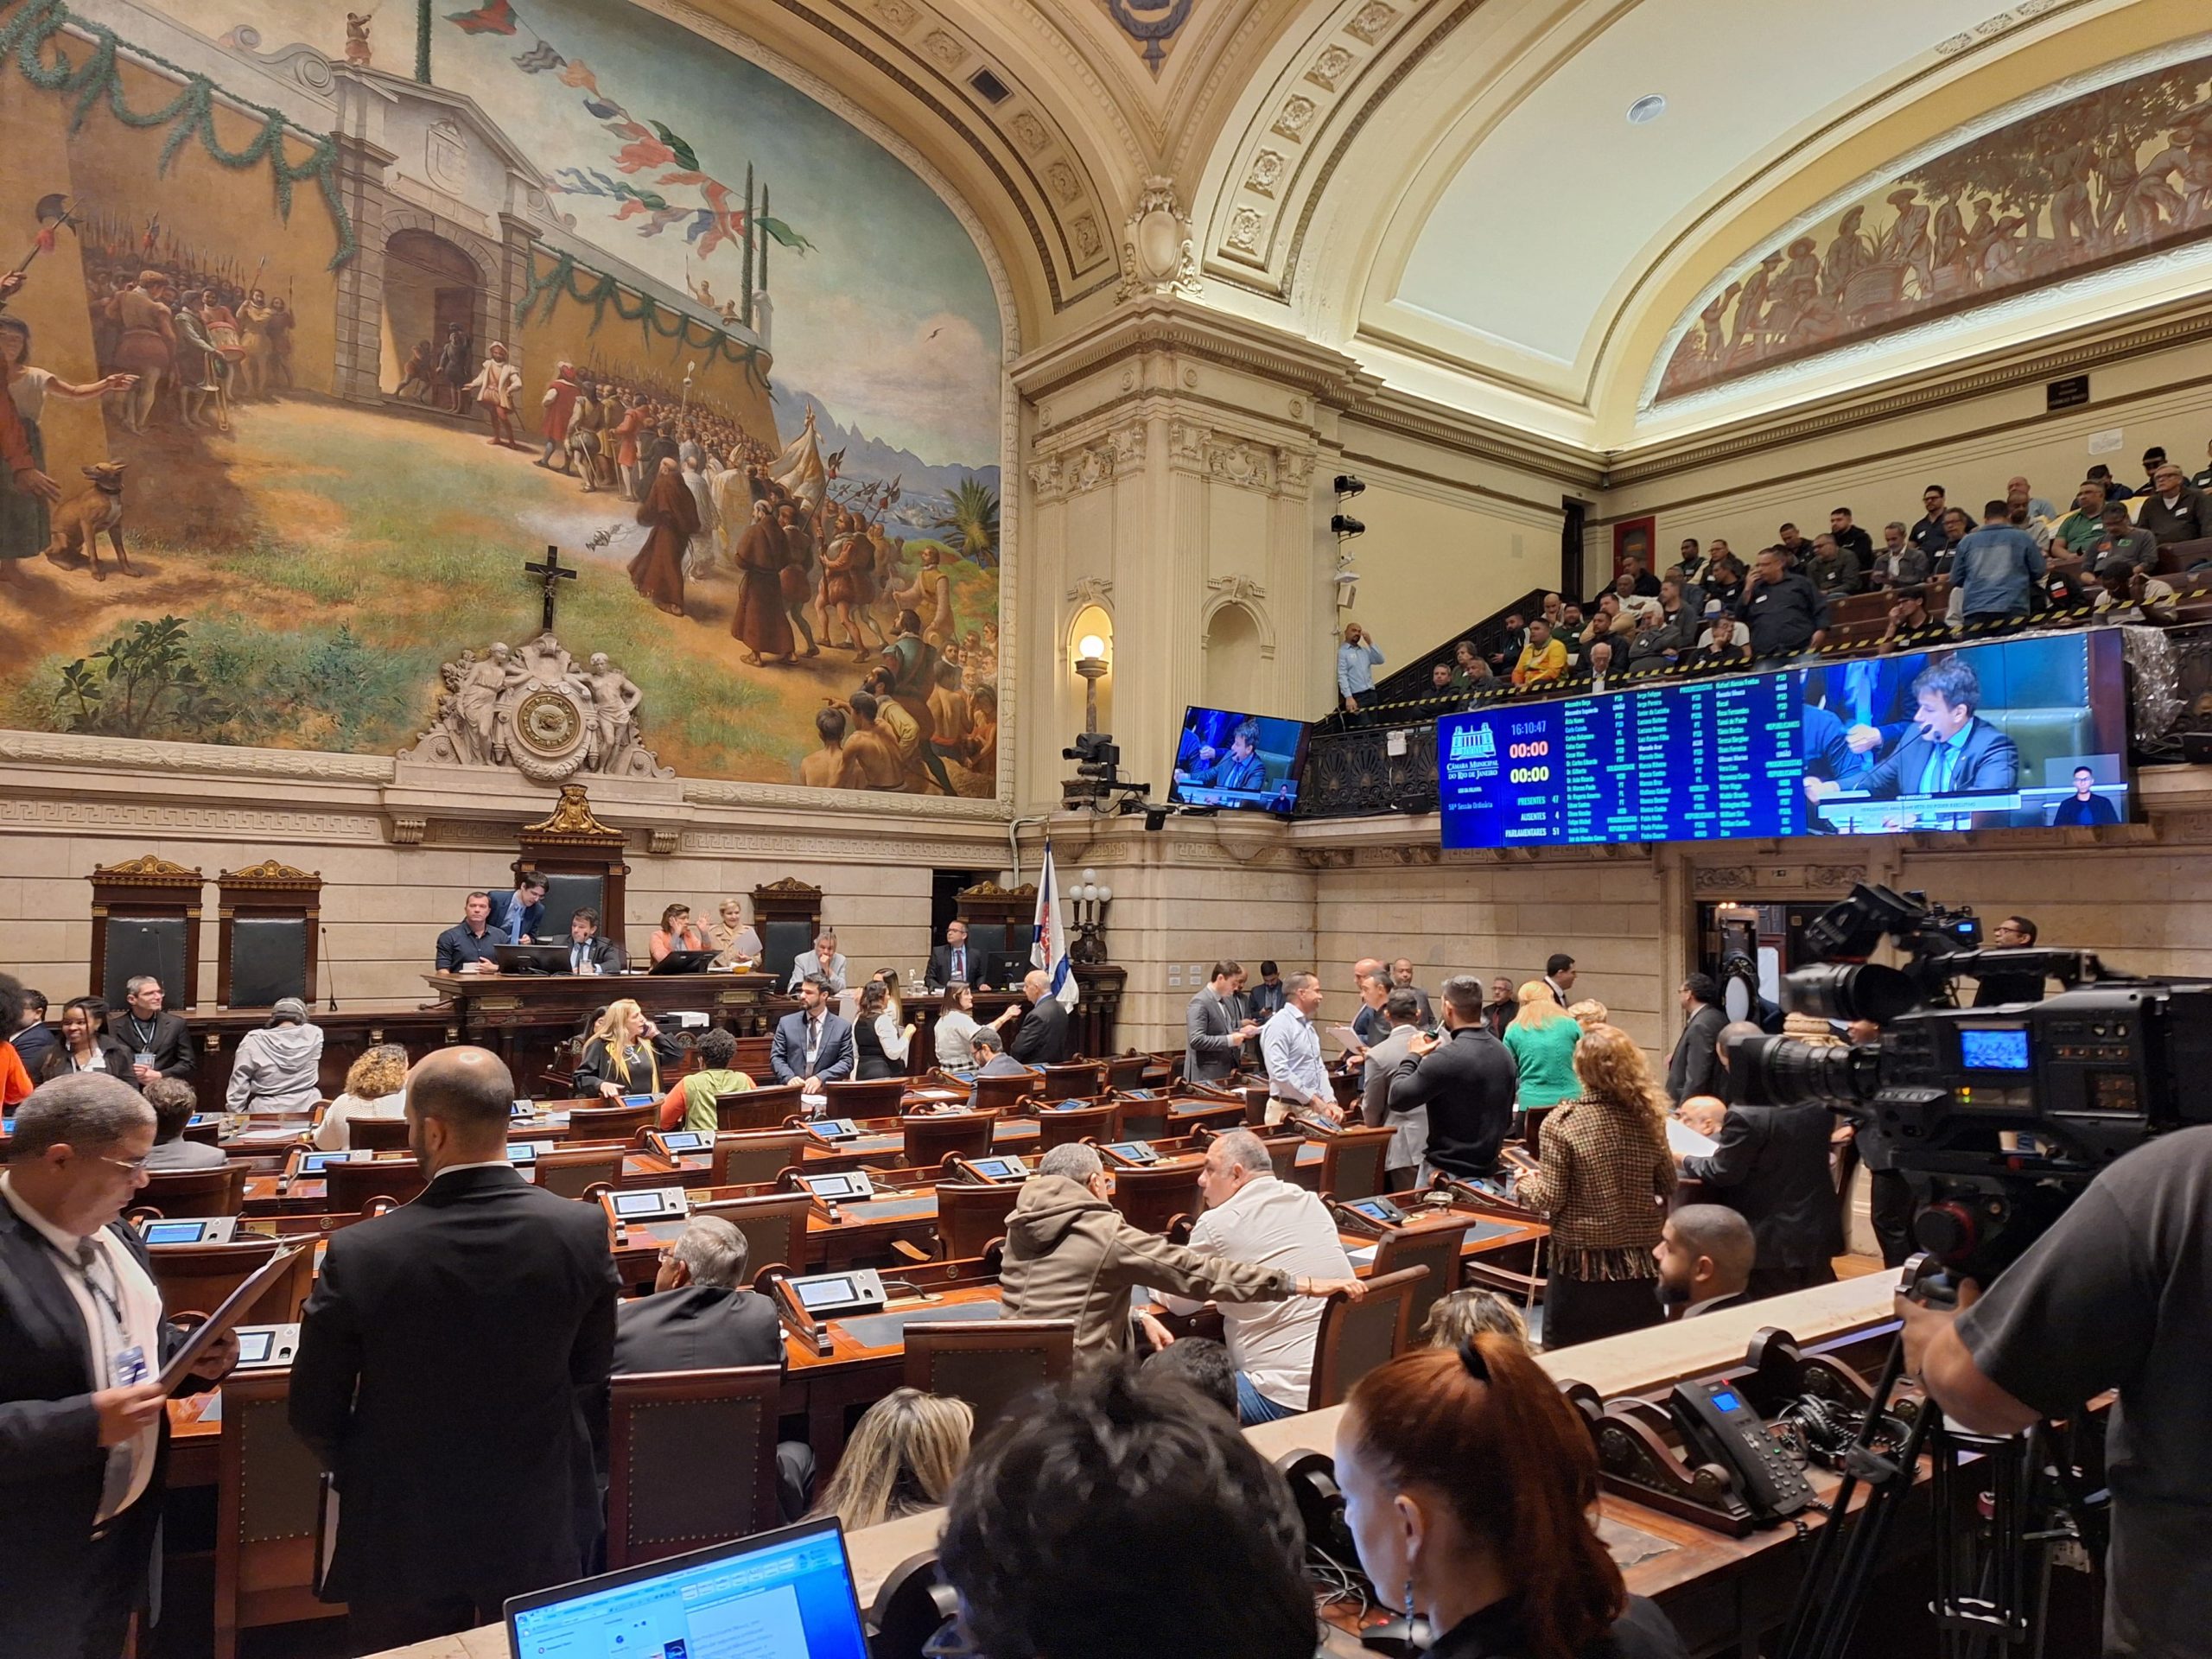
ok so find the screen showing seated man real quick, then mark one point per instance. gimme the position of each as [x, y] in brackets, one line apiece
[1227, 759]
[2021, 732]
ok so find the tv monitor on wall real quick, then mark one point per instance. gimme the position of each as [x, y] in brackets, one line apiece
[1226, 758]
[2027, 731]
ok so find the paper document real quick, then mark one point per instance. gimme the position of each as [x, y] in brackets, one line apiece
[1681, 1138]
[1347, 1036]
[232, 1311]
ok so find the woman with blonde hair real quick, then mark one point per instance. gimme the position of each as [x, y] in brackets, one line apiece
[376, 1086]
[901, 1459]
[1542, 1040]
[1602, 1183]
[1589, 1012]
[736, 944]
[619, 1057]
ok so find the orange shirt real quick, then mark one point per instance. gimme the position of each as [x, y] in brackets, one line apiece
[15, 1080]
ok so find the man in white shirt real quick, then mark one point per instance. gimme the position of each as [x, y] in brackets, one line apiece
[1292, 1048]
[824, 959]
[1251, 1216]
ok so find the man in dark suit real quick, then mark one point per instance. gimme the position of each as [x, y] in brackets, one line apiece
[702, 1318]
[1771, 1166]
[147, 1030]
[1215, 1031]
[954, 961]
[591, 951]
[521, 914]
[1706, 1253]
[81, 1465]
[1951, 750]
[452, 1375]
[1691, 1070]
[1467, 1081]
[1041, 1039]
[33, 1037]
[815, 1046]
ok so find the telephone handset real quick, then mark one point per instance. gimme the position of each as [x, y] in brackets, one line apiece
[1721, 1427]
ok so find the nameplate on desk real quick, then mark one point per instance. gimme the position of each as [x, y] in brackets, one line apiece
[214, 1229]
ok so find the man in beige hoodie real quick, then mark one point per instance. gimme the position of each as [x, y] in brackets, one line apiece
[1070, 1255]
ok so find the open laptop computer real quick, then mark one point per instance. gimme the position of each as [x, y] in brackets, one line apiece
[788, 1593]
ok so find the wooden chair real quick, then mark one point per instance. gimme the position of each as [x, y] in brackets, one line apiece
[1150, 1198]
[1433, 1245]
[1078, 1080]
[932, 1138]
[195, 1278]
[911, 1608]
[756, 1157]
[572, 1171]
[775, 1225]
[1282, 1152]
[691, 1460]
[192, 1194]
[1143, 1120]
[268, 1489]
[377, 1133]
[1351, 1162]
[623, 1124]
[970, 1215]
[1127, 1071]
[352, 1187]
[1356, 1337]
[997, 1094]
[1057, 1128]
[877, 1098]
[759, 1108]
[990, 1364]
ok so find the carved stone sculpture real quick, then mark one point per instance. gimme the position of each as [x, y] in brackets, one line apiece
[534, 711]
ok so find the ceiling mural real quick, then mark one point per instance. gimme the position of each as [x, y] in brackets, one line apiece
[2089, 182]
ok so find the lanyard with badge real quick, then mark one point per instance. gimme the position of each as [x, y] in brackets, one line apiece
[145, 1055]
[125, 1360]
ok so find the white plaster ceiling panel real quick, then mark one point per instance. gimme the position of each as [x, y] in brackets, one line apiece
[1563, 195]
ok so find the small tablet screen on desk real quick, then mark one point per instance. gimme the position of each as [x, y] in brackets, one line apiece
[1137, 1152]
[255, 1343]
[826, 1293]
[632, 1205]
[852, 1189]
[834, 1128]
[999, 1169]
[175, 1232]
[686, 1140]
[520, 1108]
[520, 1153]
[314, 1163]
[637, 1100]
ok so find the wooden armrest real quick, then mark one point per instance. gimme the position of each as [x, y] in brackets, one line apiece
[907, 1250]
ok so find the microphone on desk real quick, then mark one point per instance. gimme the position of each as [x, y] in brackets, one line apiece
[329, 971]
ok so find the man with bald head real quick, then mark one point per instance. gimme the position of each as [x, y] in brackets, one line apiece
[1041, 1039]
[452, 1375]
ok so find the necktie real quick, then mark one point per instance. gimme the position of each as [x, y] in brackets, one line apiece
[960, 962]
[577, 959]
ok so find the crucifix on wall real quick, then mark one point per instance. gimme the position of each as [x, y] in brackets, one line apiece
[550, 572]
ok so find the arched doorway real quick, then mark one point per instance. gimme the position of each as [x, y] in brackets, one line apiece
[430, 287]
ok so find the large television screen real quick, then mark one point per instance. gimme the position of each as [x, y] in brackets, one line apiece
[1249, 761]
[2014, 731]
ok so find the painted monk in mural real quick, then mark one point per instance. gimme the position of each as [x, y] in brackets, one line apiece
[672, 517]
[760, 624]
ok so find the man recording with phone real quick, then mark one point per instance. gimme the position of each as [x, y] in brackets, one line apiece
[2117, 1294]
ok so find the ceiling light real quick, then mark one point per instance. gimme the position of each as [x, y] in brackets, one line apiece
[1646, 109]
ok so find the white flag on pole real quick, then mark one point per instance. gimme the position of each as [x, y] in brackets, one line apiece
[1048, 946]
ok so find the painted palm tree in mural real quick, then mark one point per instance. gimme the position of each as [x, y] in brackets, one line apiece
[970, 518]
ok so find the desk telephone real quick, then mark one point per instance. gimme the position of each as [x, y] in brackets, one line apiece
[1720, 1425]
[834, 1295]
[831, 1191]
[832, 1128]
[1373, 1216]
[1136, 1153]
[675, 1143]
[214, 1230]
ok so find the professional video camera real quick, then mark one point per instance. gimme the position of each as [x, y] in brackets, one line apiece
[2000, 1116]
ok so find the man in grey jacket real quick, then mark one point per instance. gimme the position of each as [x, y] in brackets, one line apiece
[276, 1068]
[1070, 1255]
[1214, 1033]
[1695, 1067]
[1401, 1158]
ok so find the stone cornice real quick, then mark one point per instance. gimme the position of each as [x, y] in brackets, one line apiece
[1475, 436]
[1165, 323]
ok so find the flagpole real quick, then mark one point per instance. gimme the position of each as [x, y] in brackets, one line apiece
[423, 42]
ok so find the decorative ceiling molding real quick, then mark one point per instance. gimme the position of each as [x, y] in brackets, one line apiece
[1170, 324]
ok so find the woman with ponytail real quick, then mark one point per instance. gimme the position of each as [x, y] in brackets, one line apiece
[1469, 1486]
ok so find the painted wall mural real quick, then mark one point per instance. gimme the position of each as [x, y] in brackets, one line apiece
[317, 325]
[2096, 180]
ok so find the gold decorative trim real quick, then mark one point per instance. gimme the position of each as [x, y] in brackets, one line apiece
[572, 823]
[148, 870]
[268, 876]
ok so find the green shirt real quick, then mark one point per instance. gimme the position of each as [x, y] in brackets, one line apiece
[700, 1090]
[1546, 1056]
[2082, 531]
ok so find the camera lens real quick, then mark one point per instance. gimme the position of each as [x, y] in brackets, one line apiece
[1784, 1071]
[1852, 990]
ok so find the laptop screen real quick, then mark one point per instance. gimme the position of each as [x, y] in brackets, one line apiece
[787, 1593]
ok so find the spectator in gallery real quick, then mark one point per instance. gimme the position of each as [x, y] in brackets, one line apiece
[1851, 537]
[2115, 490]
[1782, 613]
[1439, 681]
[1724, 578]
[2173, 511]
[2203, 480]
[2027, 511]
[1357, 657]
[85, 1044]
[1599, 661]
[1543, 659]
[2132, 596]
[1542, 1040]
[1570, 630]
[1648, 649]
[1690, 564]
[1722, 644]
[1911, 627]
[1956, 528]
[1900, 562]
[376, 1086]
[2084, 806]
[1634, 580]
[2153, 458]
[1996, 569]
[1832, 570]
[1796, 551]
[677, 932]
[2124, 543]
[1507, 649]
[1926, 531]
[1470, 672]
[276, 1069]
[174, 1102]
[901, 1459]
[2081, 528]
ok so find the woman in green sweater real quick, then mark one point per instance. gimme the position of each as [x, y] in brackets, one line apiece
[697, 1092]
[1542, 1040]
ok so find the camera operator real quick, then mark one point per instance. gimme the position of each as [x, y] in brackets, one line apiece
[2117, 1294]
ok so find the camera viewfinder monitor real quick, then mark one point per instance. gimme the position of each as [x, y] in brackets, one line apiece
[1243, 762]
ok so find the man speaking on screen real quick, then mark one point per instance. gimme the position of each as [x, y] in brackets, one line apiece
[1950, 750]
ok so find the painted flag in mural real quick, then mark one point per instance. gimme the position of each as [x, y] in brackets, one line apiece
[494, 17]
[1048, 946]
[539, 59]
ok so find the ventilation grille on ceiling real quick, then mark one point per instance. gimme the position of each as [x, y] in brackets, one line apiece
[993, 89]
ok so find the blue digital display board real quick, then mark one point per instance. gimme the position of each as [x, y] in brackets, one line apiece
[2016, 732]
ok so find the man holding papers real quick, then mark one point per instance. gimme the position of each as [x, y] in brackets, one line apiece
[84, 1431]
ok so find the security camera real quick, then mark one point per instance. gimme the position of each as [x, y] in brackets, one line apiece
[1348, 484]
[1343, 523]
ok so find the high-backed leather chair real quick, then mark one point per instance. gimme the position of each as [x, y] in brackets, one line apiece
[990, 1364]
[1434, 1245]
[757, 1156]
[1356, 1337]
[759, 1108]
[691, 1460]
[1351, 1162]
[350, 1187]
[268, 1490]
[1150, 1198]
[1057, 1128]
[970, 1215]
[877, 1098]
[1077, 1080]
[197, 1278]
[996, 1094]
[377, 1133]
[192, 1194]
[623, 1124]
[775, 1225]
[1127, 1071]
[931, 1137]
[572, 1171]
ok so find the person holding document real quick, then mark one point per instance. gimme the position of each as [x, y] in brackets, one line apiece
[84, 1428]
